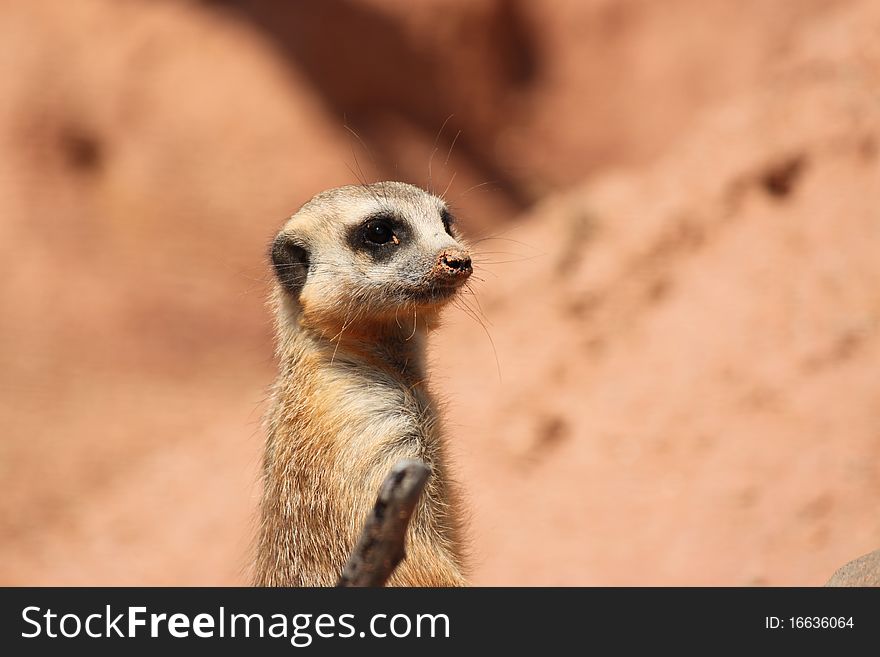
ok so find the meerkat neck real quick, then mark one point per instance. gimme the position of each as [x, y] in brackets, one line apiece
[395, 350]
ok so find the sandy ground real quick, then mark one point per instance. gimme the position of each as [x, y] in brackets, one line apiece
[677, 379]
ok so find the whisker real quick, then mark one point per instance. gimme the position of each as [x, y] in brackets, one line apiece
[470, 290]
[479, 309]
[338, 337]
[505, 262]
[434, 151]
[451, 146]
[415, 323]
[497, 236]
[470, 313]
[445, 191]
[470, 189]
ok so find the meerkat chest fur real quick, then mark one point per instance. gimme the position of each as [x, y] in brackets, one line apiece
[362, 274]
[350, 406]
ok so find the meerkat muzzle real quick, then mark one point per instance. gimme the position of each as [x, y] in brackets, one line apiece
[454, 265]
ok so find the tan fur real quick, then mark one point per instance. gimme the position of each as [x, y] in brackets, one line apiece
[350, 398]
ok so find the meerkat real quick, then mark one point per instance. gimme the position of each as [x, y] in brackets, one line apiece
[361, 274]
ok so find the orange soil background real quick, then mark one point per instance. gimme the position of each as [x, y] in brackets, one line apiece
[678, 382]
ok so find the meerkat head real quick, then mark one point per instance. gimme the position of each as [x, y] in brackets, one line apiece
[370, 254]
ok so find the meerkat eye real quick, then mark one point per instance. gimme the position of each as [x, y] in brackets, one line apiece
[379, 231]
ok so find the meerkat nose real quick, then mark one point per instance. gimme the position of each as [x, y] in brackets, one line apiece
[456, 263]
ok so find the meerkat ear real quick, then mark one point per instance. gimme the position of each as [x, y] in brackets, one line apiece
[291, 261]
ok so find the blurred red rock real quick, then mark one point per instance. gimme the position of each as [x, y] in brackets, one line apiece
[686, 329]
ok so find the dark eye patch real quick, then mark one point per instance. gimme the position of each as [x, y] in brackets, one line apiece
[379, 235]
[448, 220]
